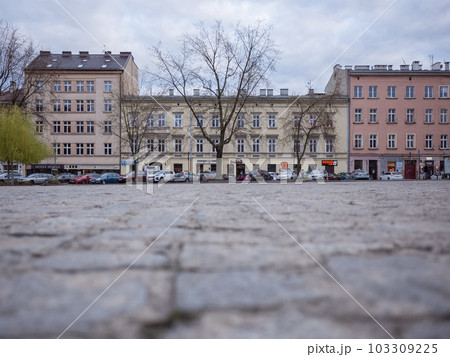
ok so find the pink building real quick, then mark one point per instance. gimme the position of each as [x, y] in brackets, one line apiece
[398, 118]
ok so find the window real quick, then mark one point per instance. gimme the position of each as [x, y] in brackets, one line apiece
[80, 127]
[199, 144]
[215, 121]
[240, 121]
[298, 145]
[444, 141]
[373, 141]
[134, 146]
[200, 122]
[214, 145]
[80, 86]
[150, 145]
[90, 127]
[39, 105]
[57, 149]
[240, 145]
[107, 104]
[162, 120]
[56, 106]
[272, 145]
[89, 105]
[67, 86]
[256, 120]
[312, 145]
[329, 145]
[66, 149]
[409, 91]
[108, 86]
[357, 91]
[178, 121]
[67, 106]
[151, 121]
[358, 115]
[373, 116]
[392, 141]
[297, 120]
[108, 149]
[80, 105]
[80, 149]
[391, 116]
[272, 121]
[410, 141]
[133, 120]
[373, 92]
[56, 126]
[90, 86]
[39, 126]
[312, 120]
[358, 141]
[56, 86]
[67, 127]
[443, 115]
[161, 145]
[443, 91]
[256, 147]
[108, 127]
[428, 141]
[392, 92]
[428, 116]
[89, 149]
[428, 92]
[39, 86]
[410, 115]
[178, 145]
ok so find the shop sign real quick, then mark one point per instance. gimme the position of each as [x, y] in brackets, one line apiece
[329, 162]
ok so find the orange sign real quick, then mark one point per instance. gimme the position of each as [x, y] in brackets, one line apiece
[284, 165]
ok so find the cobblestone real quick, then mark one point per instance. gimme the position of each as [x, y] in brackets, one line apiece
[225, 268]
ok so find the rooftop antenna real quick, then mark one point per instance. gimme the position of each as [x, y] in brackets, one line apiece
[403, 61]
[431, 57]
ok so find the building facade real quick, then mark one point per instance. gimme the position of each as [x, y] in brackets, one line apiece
[263, 138]
[398, 118]
[75, 108]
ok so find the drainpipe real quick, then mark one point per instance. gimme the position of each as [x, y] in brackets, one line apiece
[348, 120]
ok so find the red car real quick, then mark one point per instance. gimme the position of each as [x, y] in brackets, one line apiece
[86, 178]
[142, 177]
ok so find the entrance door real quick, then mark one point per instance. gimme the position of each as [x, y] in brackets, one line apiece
[373, 169]
[240, 169]
[410, 170]
[177, 167]
[271, 167]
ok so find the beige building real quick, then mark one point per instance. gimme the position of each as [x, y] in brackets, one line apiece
[263, 140]
[75, 108]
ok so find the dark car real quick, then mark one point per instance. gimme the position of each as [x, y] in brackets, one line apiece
[333, 177]
[65, 177]
[343, 176]
[208, 175]
[108, 177]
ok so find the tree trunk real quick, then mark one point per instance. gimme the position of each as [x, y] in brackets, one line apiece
[219, 163]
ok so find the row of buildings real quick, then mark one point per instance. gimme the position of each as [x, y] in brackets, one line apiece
[382, 119]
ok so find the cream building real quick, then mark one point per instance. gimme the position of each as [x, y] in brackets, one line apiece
[74, 108]
[263, 140]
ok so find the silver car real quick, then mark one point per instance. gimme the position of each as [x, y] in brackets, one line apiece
[17, 177]
[185, 176]
[39, 178]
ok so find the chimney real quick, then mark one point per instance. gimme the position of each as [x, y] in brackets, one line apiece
[67, 53]
[269, 92]
[284, 92]
[171, 92]
[262, 92]
[12, 86]
[311, 91]
[84, 53]
[436, 66]
[125, 54]
[416, 66]
[107, 54]
[196, 92]
[390, 67]
[404, 67]
[44, 53]
[447, 66]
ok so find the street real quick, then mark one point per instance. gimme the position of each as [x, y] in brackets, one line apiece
[336, 260]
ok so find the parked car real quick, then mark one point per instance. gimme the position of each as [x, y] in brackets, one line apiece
[207, 175]
[65, 177]
[271, 176]
[151, 171]
[343, 176]
[243, 177]
[360, 175]
[164, 175]
[333, 177]
[142, 177]
[318, 174]
[387, 176]
[86, 178]
[186, 176]
[108, 177]
[17, 177]
[287, 175]
[256, 176]
[39, 178]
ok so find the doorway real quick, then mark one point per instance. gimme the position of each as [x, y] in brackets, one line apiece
[410, 169]
[373, 169]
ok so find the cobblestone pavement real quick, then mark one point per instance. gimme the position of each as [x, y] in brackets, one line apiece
[225, 268]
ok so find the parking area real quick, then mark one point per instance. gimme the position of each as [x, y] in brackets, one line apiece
[349, 259]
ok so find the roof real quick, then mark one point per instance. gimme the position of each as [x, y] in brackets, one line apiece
[9, 97]
[83, 61]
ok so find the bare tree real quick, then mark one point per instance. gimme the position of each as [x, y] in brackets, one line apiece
[312, 116]
[225, 67]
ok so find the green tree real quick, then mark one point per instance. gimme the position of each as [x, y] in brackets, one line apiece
[18, 140]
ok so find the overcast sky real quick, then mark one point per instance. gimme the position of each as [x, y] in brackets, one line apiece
[312, 35]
